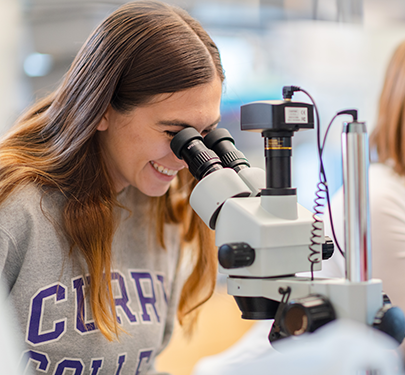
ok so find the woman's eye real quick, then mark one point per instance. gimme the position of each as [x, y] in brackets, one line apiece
[206, 132]
[171, 134]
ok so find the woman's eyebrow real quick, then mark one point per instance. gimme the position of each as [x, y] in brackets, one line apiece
[185, 124]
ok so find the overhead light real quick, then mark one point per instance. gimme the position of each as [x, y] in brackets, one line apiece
[38, 64]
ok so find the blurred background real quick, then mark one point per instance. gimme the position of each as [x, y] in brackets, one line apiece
[337, 50]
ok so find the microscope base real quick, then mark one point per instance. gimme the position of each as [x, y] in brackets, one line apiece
[356, 301]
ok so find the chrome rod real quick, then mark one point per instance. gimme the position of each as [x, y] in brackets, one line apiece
[355, 156]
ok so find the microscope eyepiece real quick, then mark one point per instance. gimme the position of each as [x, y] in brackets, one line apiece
[222, 143]
[182, 138]
[188, 145]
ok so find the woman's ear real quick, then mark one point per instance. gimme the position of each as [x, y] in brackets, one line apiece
[105, 121]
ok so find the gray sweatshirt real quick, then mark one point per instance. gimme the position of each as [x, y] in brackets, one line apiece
[46, 287]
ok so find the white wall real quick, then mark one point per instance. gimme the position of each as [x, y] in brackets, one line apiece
[10, 71]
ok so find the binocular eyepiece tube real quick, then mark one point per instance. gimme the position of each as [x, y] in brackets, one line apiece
[188, 145]
[222, 143]
[205, 155]
[216, 183]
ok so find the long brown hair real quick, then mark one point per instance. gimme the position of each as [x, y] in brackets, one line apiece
[388, 137]
[143, 49]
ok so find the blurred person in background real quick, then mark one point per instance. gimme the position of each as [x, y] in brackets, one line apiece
[95, 225]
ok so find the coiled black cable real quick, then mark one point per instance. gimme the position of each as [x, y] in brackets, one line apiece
[315, 255]
[322, 191]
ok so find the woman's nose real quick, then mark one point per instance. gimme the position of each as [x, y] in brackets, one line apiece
[180, 162]
[183, 163]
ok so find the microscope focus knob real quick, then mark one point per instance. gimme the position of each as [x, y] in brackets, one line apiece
[236, 255]
[391, 320]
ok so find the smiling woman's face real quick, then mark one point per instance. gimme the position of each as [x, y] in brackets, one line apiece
[136, 146]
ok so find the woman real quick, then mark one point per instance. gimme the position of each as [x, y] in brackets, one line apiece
[94, 213]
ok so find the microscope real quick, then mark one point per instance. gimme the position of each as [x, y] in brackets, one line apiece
[266, 239]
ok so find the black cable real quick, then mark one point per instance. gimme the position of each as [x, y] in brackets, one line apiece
[322, 186]
[327, 191]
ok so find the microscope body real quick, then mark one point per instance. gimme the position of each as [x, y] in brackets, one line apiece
[277, 228]
[267, 240]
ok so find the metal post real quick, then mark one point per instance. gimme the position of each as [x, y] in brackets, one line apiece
[355, 156]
